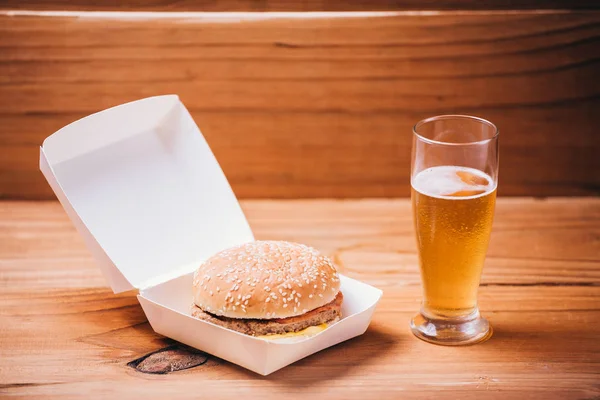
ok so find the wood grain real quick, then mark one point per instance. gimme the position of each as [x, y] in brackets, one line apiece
[308, 106]
[173, 358]
[283, 5]
[64, 334]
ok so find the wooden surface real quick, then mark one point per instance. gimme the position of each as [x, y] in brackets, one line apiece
[64, 334]
[316, 106]
[296, 5]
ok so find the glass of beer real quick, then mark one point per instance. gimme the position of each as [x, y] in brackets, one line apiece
[454, 176]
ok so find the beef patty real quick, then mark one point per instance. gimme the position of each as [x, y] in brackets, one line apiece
[328, 313]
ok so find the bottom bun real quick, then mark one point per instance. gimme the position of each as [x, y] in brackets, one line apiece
[292, 337]
[284, 327]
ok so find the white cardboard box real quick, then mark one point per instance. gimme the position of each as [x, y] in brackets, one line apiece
[144, 190]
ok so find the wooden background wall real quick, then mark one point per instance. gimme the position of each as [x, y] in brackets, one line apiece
[295, 5]
[313, 105]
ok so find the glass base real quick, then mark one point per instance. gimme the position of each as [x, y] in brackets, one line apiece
[456, 331]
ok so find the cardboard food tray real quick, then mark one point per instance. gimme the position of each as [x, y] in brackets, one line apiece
[144, 190]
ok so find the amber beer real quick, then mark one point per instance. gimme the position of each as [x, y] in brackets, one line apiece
[453, 211]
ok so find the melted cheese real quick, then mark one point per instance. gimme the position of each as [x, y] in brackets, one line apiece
[310, 331]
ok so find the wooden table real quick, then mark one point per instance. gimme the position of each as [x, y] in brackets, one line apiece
[63, 332]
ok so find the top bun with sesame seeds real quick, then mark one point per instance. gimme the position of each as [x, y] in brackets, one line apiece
[289, 284]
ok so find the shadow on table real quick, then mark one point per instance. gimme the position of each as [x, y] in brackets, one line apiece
[539, 343]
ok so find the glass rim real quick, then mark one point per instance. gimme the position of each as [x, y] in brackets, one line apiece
[455, 116]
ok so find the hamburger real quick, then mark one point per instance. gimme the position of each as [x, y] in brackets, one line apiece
[270, 289]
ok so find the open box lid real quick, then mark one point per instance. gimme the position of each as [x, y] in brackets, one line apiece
[144, 190]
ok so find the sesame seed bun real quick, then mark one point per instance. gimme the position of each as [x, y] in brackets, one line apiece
[265, 280]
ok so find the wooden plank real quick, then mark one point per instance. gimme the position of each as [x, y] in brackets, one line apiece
[64, 333]
[308, 106]
[282, 5]
[531, 241]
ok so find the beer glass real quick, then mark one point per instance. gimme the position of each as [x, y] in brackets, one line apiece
[454, 176]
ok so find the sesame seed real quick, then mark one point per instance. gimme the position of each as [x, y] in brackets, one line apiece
[237, 303]
[315, 286]
[268, 299]
[285, 305]
[284, 300]
[320, 295]
[310, 296]
[298, 294]
[211, 292]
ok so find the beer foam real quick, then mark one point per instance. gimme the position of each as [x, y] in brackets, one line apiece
[452, 182]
